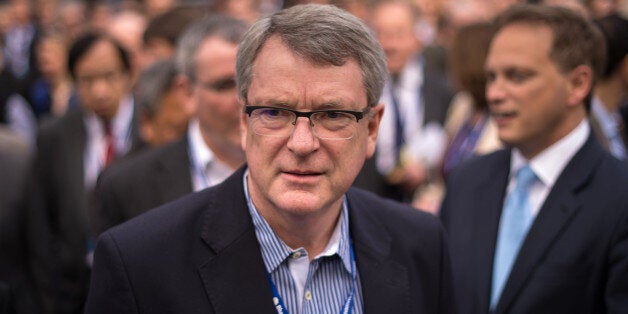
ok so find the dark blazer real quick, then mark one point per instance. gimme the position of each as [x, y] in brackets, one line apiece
[141, 182]
[575, 256]
[16, 292]
[58, 224]
[199, 254]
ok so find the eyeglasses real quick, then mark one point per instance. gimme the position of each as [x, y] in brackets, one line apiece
[325, 124]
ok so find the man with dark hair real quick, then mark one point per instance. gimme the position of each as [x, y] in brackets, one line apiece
[286, 232]
[541, 226]
[71, 152]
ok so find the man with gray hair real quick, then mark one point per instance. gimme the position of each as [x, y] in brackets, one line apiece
[205, 90]
[286, 232]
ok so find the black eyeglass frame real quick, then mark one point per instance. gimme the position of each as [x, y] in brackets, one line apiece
[308, 114]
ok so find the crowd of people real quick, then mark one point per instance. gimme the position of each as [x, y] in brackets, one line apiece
[187, 156]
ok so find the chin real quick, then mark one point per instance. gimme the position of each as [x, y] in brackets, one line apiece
[300, 203]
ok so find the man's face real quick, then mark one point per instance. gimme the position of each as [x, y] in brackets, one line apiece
[168, 123]
[301, 174]
[394, 27]
[101, 80]
[528, 96]
[214, 92]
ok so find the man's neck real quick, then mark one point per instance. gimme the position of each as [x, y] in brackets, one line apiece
[311, 232]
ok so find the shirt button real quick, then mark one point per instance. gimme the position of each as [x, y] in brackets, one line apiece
[308, 295]
[296, 254]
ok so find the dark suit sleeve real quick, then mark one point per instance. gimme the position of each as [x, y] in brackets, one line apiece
[110, 290]
[617, 283]
[446, 302]
[108, 213]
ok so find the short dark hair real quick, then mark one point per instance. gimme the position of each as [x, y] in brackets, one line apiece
[84, 43]
[615, 31]
[170, 24]
[576, 40]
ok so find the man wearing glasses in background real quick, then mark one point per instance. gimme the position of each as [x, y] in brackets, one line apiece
[286, 233]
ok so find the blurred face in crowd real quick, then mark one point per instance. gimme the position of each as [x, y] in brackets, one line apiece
[394, 27]
[169, 122]
[101, 79]
[214, 91]
[298, 173]
[531, 100]
[52, 57]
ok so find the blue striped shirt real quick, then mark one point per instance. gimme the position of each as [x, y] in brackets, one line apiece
[327, 278]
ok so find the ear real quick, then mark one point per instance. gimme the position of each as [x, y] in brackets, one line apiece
[243, 125]
[375, 117]
[579, 82]
[184, 90]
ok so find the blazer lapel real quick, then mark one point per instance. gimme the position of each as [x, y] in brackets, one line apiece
[555, 214]
[234, 276]
[490, 195]
[385, 284]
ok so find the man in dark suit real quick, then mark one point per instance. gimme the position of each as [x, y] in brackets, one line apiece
[209, 152]
[286, 233]
[71, 152]
[17, 292]
[416, 96]
[557, 242]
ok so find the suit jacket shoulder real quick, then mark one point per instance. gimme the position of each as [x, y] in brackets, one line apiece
[143, 181]
[199, 254]
[401, 255]
[564, 264]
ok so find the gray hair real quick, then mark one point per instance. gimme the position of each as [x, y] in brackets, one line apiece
[153, 83]
[224, 27]
[322, 34]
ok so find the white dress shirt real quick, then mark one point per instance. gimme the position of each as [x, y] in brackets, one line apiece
[121, 126]
[205, 168]
[549, 164]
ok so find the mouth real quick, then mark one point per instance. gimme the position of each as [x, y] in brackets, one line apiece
[503, 117]
[305, 173]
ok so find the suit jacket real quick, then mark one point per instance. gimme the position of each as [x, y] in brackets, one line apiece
[575, 256]
[18, 287]
[141, 182]
[58, 217]
[199, 254]
[437, 94]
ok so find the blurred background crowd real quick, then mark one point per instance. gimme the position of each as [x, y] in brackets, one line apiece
[99, 98]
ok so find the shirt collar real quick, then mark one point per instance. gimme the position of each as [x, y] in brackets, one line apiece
[549, 164]
[120, 124]
[202, 155]
[275, 251]
[608, 120]
[410, 76]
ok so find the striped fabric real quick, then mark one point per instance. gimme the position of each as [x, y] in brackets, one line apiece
[328, 277]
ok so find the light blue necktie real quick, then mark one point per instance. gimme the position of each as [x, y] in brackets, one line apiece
[513, 227]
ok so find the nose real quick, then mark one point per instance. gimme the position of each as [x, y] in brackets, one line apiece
[302, 141]
[494, 92]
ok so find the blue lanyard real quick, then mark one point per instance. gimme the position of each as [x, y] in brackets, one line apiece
[348, 304]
